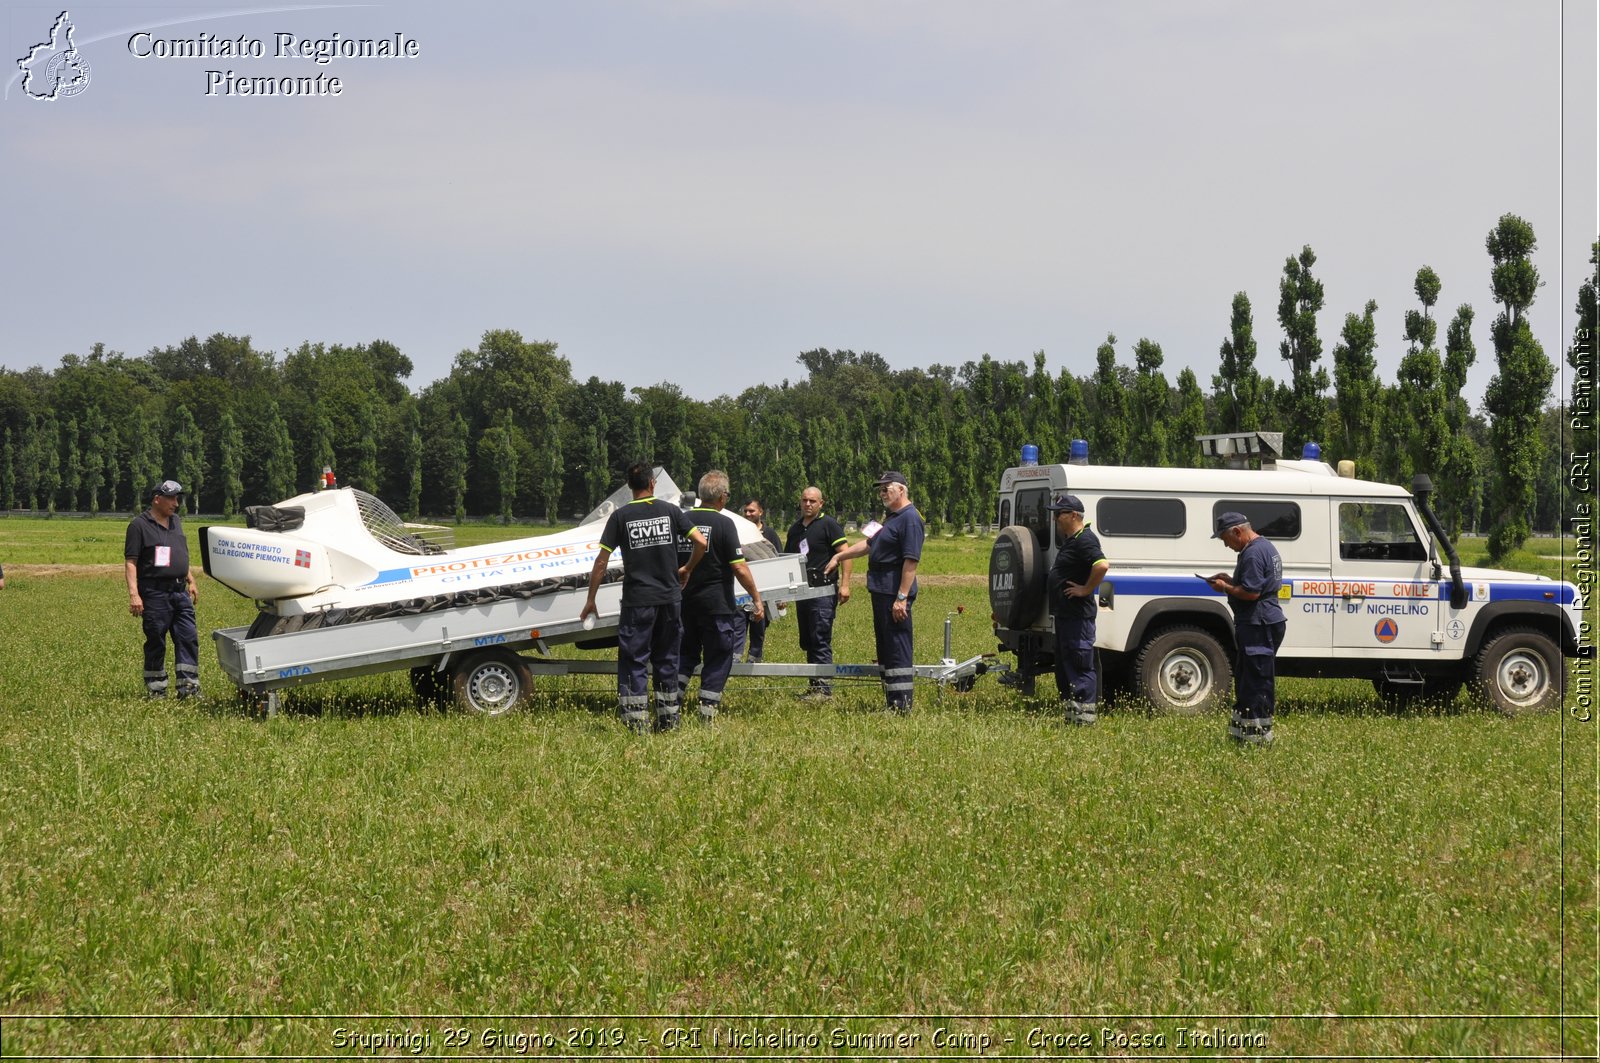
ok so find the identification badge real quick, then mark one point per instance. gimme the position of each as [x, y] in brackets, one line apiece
[163, 556]
[805, 547]
[872, 528]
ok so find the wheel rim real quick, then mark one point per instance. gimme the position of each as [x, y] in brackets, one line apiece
[1523, 678]
[493, 689]
[1185, 677]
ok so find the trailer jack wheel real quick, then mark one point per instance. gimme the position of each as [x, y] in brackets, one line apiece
[491, 682]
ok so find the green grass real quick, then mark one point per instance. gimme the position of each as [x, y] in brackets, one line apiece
[357, 855]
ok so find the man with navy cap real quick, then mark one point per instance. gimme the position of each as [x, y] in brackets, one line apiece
[1079, 567]
[161, 591]
[893, 552]
[1258, 626]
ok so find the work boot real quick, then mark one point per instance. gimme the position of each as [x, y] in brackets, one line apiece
[1080, 714]
[667, 722]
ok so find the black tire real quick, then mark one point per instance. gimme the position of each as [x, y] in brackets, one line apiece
[490, 682]
[1435, 691]
[1016, 577]
[1183, 671]
[431, 687]
[1519, 670]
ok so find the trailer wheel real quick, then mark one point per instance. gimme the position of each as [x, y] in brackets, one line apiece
[1520, 670]
[491, 682]
[1183, 671]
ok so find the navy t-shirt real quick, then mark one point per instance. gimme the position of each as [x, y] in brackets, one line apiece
[148, 543]
[710, 588]
[647, 531]
[817, 542]
[898, 541]
[1259, 570]
[1074, 562]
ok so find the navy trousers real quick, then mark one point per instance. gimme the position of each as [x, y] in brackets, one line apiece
[171, 612]
[815, 617]
[894, 652]
[647, 642]
[713, 636]
[1075, 675]
[1255, 680]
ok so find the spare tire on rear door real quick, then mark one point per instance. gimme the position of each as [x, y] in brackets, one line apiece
[1016, 577]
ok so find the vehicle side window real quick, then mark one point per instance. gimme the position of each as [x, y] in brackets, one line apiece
[1269, 517]
[1378, 531]
[1005, 512]
[1162, 518]
[1032, 515]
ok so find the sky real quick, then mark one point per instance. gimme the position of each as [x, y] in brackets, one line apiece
[696, 191]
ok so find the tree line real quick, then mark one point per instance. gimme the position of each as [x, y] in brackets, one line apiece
[511, 432]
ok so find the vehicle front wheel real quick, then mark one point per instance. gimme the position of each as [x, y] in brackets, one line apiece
[1520, 670]
[491, 682]
[1183, 671]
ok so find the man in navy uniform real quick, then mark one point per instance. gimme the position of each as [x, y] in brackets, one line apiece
[710, 627]
[816, 537]
[162, 592]
[1079, 567]
[893, 552]
[647, 531]
[1258, 626]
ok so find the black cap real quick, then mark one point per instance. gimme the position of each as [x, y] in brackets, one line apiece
[170, 488]
[1065, 504]
[1230, 519]
[889, 476]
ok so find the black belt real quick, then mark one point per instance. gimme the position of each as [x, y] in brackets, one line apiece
[180, 584]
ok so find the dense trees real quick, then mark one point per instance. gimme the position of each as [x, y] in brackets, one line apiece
[510, 432]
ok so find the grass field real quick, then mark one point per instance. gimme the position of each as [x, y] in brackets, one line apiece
[1418, 886]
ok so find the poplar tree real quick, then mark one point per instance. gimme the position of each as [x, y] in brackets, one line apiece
[94, 456]
[1111, 407]
[230, 462]
[1419, 409]
[1152, 397]
[1237, 385]
[72, 463]
[278, 462]
[48, 461]
[188, 459]
[1300, 298]
[1190, 420]
[1355, 374]
[1461, 486]
[1517, 394]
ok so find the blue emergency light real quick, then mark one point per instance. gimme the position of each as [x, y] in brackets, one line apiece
[1311, 452]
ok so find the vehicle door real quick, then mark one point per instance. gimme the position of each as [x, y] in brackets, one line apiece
[1384, 594]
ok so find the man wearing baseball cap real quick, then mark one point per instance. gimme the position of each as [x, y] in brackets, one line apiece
[162, 592]
[1079, 567]
[1258, 626]
[893, 552]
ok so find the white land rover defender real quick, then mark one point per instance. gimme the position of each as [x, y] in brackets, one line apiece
[1364, 590]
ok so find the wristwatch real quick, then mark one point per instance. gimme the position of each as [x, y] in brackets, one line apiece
[901, 597]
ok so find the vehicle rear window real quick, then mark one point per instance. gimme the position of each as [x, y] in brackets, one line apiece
[1152, 517]
[1032, 515]
[1269, 517]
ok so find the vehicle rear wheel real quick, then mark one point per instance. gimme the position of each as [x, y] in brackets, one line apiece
[1183, 671]
[491, 682]
[1520, 670]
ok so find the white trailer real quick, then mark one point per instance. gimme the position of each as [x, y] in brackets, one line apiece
[470, 654]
